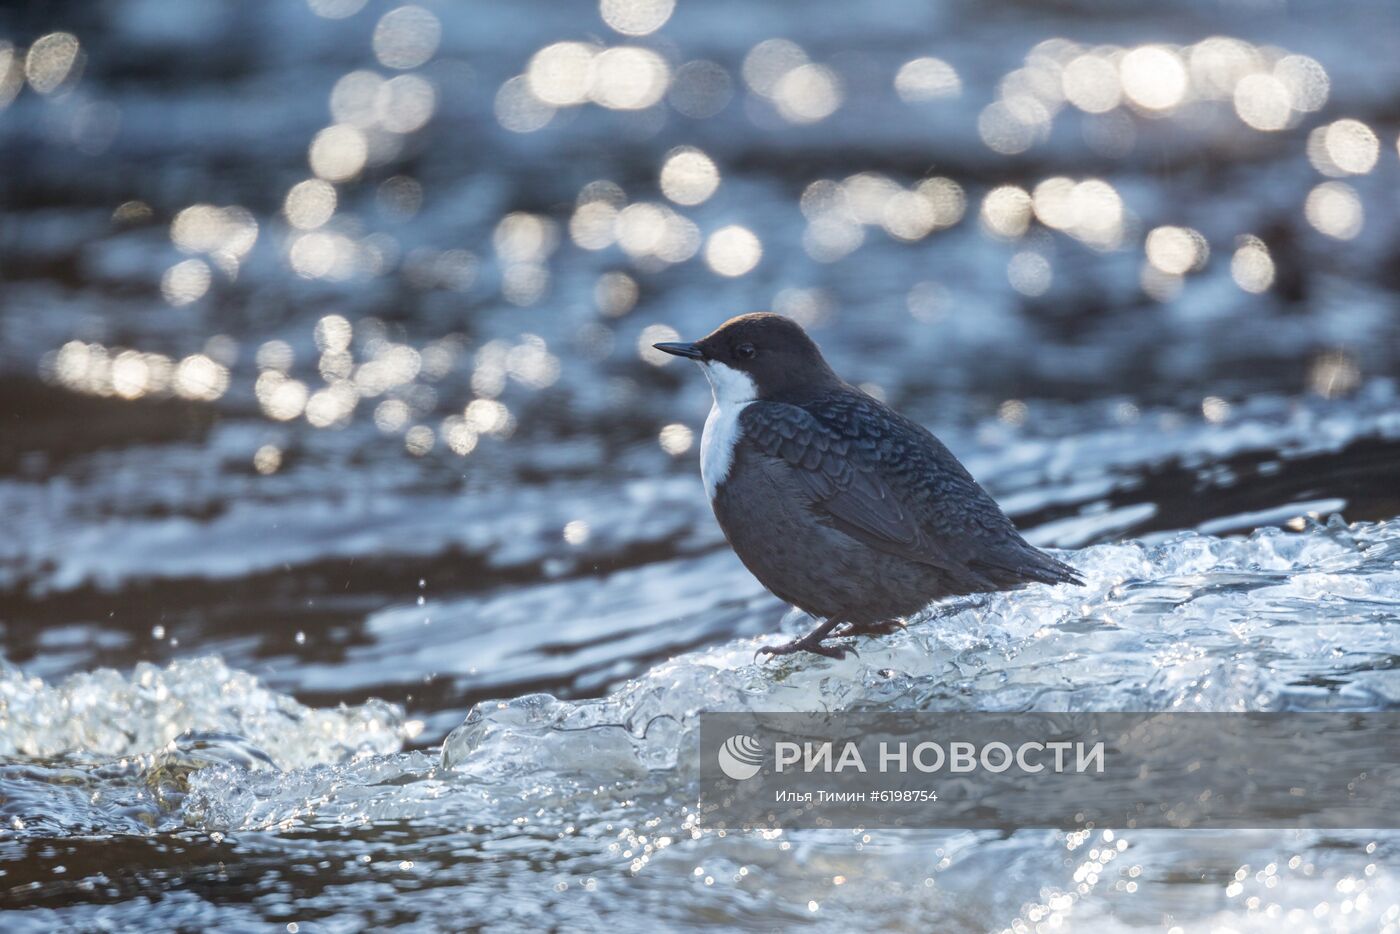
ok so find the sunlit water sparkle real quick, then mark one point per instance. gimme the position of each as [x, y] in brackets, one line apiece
[326, 376]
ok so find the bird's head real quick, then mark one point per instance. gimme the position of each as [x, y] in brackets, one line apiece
[757, 356]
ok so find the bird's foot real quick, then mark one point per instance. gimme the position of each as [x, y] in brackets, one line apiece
[805, 644]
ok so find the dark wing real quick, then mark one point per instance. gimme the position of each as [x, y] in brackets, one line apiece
[887, 482]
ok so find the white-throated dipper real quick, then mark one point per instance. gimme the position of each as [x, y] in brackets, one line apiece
[837, 503]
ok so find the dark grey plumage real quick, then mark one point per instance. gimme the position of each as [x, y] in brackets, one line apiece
[842, 506]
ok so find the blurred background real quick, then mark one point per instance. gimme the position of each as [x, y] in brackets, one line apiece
[325, 324]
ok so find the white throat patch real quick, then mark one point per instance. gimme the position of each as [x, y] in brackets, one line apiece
[733, 389]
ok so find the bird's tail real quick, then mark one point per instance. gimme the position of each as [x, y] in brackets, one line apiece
[1053, 571]
[1031, 565]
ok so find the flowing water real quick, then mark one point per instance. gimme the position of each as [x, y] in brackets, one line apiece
[355, 569]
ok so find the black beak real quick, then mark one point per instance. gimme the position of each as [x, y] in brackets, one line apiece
[691, 351]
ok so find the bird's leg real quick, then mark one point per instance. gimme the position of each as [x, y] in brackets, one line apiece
[874, 627]
[812, 642]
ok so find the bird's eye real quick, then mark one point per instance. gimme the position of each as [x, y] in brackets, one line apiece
[745, 351]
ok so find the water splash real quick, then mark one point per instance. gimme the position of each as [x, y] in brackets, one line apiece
[104, 715]
[103, 752]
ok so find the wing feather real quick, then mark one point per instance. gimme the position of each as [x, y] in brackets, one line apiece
[887, 482]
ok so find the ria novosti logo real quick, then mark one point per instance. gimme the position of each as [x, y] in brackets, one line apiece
[741, 757]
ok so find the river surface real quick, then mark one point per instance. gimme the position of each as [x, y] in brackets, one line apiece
[355, 569]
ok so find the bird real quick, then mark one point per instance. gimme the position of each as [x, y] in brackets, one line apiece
[836, 503]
